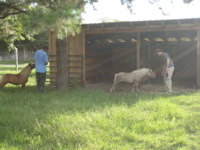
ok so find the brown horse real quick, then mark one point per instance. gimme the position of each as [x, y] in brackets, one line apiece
[17, 79]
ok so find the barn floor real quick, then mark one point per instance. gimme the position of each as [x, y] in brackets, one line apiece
[144, 87]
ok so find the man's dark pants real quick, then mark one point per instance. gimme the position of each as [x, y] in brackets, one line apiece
[40, 79]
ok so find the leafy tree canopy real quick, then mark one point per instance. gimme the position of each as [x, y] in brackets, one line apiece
[22, 19]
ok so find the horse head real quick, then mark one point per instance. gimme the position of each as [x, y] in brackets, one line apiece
[32, 65]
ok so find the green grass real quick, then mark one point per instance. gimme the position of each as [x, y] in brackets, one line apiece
[82, 119]
[21, 62]
[9, 66]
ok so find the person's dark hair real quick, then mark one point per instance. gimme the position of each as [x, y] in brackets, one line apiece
[158, 50]
[45, 47]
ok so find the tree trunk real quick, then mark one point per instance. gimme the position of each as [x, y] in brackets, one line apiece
[62, 71]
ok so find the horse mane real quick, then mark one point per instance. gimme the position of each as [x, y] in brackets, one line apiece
[26, 70]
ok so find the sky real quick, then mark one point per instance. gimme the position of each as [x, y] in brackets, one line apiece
[142, 10]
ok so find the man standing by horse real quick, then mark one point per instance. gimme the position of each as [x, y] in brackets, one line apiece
[41, 60]
[168, 69]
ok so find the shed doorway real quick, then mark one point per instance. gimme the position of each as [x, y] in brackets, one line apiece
[107, 54]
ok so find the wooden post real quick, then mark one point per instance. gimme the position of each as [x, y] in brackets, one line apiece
[52, 57]
[198, 57]
[76, 58]
[16, 59]
[83, 63]
[149, 54]
[138, 50]
[24, 54]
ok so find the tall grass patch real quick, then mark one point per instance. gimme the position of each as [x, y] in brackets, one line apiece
[82, 119]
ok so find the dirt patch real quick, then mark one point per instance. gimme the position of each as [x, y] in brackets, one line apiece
[144, 87]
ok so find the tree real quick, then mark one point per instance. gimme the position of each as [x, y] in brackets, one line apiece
[8, 8]
[62, 17]
[10, 26]
[24, 18]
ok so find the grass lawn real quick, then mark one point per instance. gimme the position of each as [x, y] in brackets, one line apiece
[82, 119]
[21, 62]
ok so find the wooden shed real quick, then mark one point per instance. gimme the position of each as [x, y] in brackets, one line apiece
[103, 49]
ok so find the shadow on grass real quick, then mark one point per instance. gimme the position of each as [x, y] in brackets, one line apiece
[22, 110]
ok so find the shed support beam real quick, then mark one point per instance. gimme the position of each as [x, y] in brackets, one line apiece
[149, 54]
[83, 63]
[198, 57]
[138, 50]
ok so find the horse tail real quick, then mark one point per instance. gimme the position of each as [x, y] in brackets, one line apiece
[117, 78]
[114, 83]
[1, 80]
[2, 84]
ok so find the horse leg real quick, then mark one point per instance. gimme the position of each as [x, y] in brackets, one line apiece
[23, 85]
[1, 86]
[3, 83]
[135, 86]
[133, 90]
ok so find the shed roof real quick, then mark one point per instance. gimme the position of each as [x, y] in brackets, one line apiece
[142, 26]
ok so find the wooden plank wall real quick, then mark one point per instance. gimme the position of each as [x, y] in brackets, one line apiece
[76, 61]
[138, 51]
[98, 61]
[75, 52]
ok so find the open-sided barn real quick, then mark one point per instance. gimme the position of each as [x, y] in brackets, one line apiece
[103, 49]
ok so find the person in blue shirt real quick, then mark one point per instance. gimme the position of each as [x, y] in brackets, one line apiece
[41, 61]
